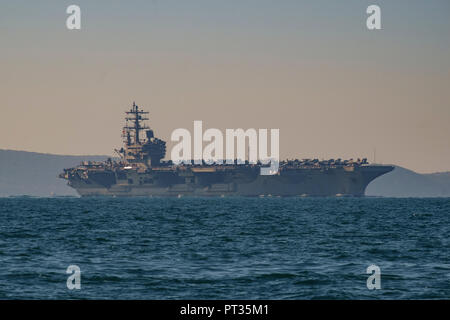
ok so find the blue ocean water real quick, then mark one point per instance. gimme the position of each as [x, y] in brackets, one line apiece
[227, 248]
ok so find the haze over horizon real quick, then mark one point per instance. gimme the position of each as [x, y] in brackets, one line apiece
[309, 68]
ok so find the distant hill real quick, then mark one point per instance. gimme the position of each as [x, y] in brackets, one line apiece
[402, 182]
[36, 174]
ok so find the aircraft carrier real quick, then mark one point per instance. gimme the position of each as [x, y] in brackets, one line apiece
[141, 171]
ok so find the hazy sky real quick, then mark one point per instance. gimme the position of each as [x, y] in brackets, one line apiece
[309, 68]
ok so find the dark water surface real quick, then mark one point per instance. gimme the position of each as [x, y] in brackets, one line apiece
[231, 248]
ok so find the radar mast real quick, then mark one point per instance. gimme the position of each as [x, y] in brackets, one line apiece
[149, 150]
[133, 129]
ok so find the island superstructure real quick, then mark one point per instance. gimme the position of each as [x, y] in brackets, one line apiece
[141, 171]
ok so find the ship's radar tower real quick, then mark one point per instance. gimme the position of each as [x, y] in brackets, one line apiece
[133, 129]
[149, 150]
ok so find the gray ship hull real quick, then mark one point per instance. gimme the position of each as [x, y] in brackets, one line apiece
[340, 181]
